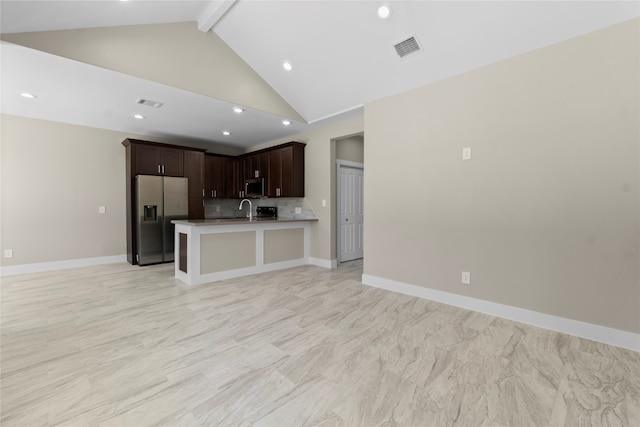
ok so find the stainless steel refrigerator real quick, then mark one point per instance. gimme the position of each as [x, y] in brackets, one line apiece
[161, 199]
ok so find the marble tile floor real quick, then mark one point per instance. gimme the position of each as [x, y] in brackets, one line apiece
[118, 345]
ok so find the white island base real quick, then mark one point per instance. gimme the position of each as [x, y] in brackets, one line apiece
[211, 250]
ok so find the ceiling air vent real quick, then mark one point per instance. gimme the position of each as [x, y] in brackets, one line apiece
[407, 47]
[149, 103]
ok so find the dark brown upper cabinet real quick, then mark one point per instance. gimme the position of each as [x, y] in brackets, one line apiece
[215, 169]
[286, 171]
[282, 168]
[256, 165]
[158, 160]
[194, 171]
[234, 177]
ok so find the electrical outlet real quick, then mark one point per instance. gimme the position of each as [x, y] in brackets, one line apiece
[217, 208]
[466, 278]
[324, 203]
[8, 253]
[102, 209]
[466, 153]
[298, 210]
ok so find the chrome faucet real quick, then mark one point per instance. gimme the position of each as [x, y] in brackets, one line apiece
[250, 207]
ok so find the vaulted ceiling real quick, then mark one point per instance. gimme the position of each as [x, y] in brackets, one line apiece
[342, 56]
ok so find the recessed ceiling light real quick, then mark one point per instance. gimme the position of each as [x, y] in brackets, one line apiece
[286, 122]
[287, 65]
[28, 95]
[226, 133]
[384, 12]
[138, 116]
[238, 110]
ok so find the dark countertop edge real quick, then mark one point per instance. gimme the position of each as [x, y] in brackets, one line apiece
[236, 221]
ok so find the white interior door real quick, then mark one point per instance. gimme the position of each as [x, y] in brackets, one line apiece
[351, 212]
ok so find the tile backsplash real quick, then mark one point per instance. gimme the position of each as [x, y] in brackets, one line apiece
[228, 208]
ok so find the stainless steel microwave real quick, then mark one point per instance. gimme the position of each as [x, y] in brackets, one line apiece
[254, 187]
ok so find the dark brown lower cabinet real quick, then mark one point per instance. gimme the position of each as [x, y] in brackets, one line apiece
[182, 258]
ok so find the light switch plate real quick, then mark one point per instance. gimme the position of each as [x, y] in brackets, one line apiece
[466, 278]
[298, 210]
[8, 253]
[324, 203]
[466, 153]
[102, 209]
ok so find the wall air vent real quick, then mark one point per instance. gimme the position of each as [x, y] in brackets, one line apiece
[149, 103]
[407, 47]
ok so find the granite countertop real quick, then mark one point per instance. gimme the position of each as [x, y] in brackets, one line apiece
[236, 221]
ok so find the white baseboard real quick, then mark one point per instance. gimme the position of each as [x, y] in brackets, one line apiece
[589, 331]
[240, 272]
[324, 263]
[12, 270]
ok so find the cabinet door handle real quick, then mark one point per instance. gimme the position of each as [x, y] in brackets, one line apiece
[203, 192]
[215, 193]
[159, 169]
[163, 170]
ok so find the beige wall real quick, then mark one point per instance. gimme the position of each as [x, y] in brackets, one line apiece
[175, 54]
[54, 177]
[546, 214]
[350, 149]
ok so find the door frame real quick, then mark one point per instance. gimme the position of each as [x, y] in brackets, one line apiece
[339, 165]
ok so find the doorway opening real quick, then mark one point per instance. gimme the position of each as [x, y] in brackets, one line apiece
[349, 198]
[350, 210]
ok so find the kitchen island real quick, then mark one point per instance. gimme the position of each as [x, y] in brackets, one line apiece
[208, 250]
